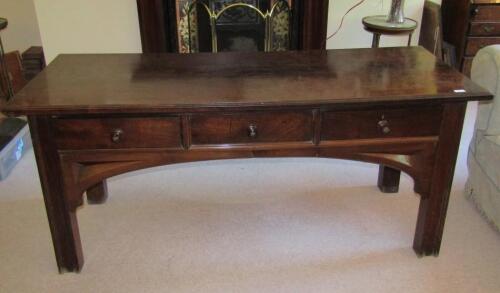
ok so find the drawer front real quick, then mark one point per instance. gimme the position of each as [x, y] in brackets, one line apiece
[486, 13]
[115, 133]
[467, 65]
[252, 127]
[485, 29]
[475, 44]
[365, 124]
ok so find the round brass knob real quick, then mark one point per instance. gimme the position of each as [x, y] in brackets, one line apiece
[252, 130]
[384, 126]
[117, 135]
[475, 12]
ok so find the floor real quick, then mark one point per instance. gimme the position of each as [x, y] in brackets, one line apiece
[275, 225]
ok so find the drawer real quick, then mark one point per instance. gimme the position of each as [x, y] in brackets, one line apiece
[383, 123]
[254, 127]
[485, 13]
[467, 65]
[485, 29]
[474, 44]
[114, 133]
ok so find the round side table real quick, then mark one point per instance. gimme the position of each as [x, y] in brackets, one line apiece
[378, 26]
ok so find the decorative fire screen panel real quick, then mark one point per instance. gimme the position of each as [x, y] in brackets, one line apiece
[185, 44]
[239, 16]
[280, 24]
[217, 20]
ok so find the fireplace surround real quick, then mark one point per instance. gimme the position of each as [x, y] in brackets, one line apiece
[159, 24]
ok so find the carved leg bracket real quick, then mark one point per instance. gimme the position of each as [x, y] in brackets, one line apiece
[98, 193]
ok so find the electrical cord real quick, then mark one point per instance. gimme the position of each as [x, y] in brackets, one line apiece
[342, 21]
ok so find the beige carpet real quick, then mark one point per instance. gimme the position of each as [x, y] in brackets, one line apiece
[276, 225]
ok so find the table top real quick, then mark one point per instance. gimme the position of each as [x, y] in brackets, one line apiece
[380, 22]
[134, 83]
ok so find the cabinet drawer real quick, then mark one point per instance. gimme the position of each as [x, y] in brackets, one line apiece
[251, 127]
[113, 133]
[474, 44]
[485, 29]
[363, 124]
[485, 13]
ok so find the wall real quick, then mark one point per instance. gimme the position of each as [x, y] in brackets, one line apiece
[352, 34]
[22, 31]
[88, 26]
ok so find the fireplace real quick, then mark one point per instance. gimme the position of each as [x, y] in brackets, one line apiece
[233, 25]
[170, 25]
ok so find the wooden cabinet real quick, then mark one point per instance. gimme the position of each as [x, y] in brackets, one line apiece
[470, 25]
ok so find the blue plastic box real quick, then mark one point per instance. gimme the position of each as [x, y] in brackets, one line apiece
[13, 151]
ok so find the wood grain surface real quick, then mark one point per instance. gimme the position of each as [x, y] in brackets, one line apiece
[199, 82]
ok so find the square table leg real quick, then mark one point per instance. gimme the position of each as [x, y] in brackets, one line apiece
[388, 179]
[98, 193]
[60, 212]
[434, 203]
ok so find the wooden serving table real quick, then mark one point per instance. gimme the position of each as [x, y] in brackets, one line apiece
[96, 116]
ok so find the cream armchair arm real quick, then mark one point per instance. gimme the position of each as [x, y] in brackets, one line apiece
[483, 184]
[486, 72]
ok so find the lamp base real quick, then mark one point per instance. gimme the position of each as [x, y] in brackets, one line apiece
[396, 15]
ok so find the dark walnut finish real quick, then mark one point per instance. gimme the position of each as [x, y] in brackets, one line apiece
[379, 123]
[157, 35]
[98, 193]
[312, 24]
[470, 25]
[388, 179]
[474, 44]
[485, 29]
[252, 127]
[96, 116]
[118, 133]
